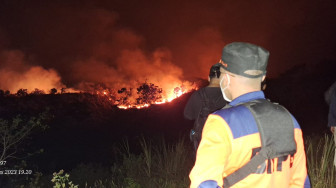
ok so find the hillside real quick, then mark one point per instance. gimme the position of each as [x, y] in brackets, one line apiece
[86, 128]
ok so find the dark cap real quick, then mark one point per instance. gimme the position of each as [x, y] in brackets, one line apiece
[245, 59]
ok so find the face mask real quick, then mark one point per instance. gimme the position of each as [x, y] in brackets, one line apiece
[223, 89]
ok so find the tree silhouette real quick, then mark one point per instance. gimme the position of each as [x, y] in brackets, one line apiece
[53, 91]
[148, 93]
[37, 92]
[63, 90]
[14, 132]
[123, 96]
[22, 93]
[7, 93]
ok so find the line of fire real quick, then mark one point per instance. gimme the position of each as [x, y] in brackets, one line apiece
[124, 98]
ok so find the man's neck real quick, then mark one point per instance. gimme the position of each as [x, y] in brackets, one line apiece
[213, 84]
[243, 91]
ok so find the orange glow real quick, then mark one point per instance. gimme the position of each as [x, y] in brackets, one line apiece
[128, 98]
[172, 94]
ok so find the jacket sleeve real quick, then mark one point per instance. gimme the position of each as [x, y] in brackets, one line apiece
[299, 177]
[215, 145]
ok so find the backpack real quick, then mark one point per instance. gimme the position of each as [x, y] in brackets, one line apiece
[196, 132]
[272, 120]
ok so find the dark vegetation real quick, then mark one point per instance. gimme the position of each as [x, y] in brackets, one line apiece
[87, 129]
[301, 90]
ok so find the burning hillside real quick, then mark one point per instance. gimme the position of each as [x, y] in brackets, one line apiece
[134, 80]
[112, 63]
[143, 96]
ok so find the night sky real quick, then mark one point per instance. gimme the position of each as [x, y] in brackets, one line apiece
[115, 42]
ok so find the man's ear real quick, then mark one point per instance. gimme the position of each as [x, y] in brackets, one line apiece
[208, 78]
[263, 78]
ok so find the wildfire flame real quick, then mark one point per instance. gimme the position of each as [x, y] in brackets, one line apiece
[125, 98]
[136, 79]
[148, 94]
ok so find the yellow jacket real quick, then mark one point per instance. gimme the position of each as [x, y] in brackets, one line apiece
[231, 141]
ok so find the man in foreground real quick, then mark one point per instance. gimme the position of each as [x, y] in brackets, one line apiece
[251, 142]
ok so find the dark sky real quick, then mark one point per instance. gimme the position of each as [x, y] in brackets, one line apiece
[72, 43]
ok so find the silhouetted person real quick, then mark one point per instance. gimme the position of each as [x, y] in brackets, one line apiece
[328, 93]
[332, 113]
[203, 102]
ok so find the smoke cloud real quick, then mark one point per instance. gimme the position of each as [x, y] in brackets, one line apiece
[90, 49]
[15, 74]
[118, 44]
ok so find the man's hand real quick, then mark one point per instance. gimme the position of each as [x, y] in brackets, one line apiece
[332, 129]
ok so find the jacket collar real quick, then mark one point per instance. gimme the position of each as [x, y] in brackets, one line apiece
[247, 97]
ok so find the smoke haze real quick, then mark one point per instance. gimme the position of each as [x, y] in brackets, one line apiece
[15, 74]
[59, 44]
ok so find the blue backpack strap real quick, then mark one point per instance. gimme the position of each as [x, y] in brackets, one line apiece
[272, 120]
